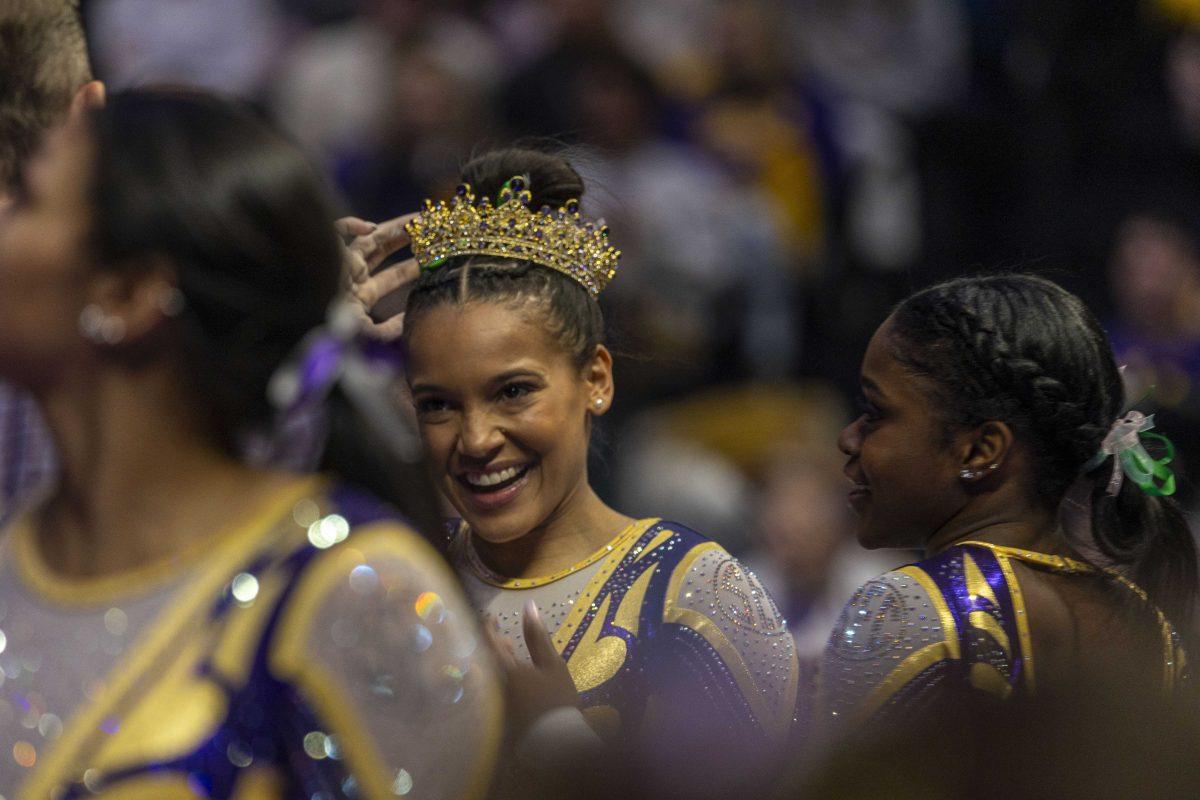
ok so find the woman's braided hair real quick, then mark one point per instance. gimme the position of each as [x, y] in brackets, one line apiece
[569, 313]
[1023, 350]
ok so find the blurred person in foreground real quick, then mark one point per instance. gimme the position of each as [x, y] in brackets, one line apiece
[671, 648]
[178, 622]
[1107, 739]
[44, 76]
[995, 436]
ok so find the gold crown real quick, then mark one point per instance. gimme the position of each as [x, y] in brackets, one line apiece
[559, 239]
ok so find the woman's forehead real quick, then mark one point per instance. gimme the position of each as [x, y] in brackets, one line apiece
[481, 335]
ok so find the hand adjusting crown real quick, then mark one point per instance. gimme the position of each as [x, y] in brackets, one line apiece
[559, 239]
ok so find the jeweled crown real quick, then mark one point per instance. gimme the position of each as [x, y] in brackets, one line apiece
[556, 238]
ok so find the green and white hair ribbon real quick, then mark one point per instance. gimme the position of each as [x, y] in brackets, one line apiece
[1124, 443]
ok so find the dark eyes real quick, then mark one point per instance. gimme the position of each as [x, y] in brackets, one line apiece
[430, 405]
[867, 409]
[508, 393]
[516, 390]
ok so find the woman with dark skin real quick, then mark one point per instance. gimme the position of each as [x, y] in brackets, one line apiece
[987, 403]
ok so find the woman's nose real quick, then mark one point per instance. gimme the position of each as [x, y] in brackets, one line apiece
[480, 436]
[850, 439]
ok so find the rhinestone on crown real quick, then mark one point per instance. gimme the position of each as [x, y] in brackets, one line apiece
[559, 239]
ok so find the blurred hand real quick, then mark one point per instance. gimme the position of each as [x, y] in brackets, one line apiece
[532, 689]
[368, 246]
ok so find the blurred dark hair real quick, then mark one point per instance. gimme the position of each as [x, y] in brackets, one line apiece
[43, 61]
[1023, 350]
[572, 315]
[246, 224]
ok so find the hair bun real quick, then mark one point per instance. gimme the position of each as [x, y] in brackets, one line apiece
[551, 179]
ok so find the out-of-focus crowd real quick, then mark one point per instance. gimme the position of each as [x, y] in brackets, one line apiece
[777, 174]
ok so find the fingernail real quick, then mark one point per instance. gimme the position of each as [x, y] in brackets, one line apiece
[531, 611]
[373, 226]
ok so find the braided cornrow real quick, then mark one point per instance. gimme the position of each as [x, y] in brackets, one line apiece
[570, 314]
[1018, 349]
[1022, 350]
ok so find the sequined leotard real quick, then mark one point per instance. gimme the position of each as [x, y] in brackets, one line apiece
[318, 650]
[659, 617]
[955, 620]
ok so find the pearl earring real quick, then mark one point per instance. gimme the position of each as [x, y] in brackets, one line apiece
[100, 327]
[598, 403]
[171, 302]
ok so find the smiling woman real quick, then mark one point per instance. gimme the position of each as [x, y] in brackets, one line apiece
[993, 413]
[670, 642]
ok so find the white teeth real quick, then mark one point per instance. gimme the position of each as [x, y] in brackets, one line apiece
[491, 478]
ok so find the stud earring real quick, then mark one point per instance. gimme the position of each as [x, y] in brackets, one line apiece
[100, 327]
[171, 302]
[598, 403]
[972, 474]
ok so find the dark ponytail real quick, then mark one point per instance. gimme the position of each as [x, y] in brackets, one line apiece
[1023, 350]
[246, 224]
[1151, 537]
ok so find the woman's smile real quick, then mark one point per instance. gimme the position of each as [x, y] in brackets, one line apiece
[494, 487]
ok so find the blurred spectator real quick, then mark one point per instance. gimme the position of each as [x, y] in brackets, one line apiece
[757, 466]
[394, 99]
[702, 458]
[432, 120]
[1155, 279]
[227, 45]
[697, 244]
[904, 56]
[809, 559]
[768, 128]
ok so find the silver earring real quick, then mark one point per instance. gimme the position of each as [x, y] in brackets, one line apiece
[968, 474]
[171, 302]
[598, 403]
[100, 327]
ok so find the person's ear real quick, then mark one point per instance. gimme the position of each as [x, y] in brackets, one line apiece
[87, 98]
[985, 450]
[598, 376]
[134, 303]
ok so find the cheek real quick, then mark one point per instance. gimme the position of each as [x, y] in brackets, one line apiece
[557, 429]
[909, 493]
[41, 295]
[438, 439]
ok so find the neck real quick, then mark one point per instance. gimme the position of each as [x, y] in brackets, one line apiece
[138, 474]
[580, 526]
[1006, 524]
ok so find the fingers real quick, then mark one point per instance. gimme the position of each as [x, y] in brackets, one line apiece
[387, 238]
[387, 331]
[353, 226]
[537, 639]
[371, 290]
